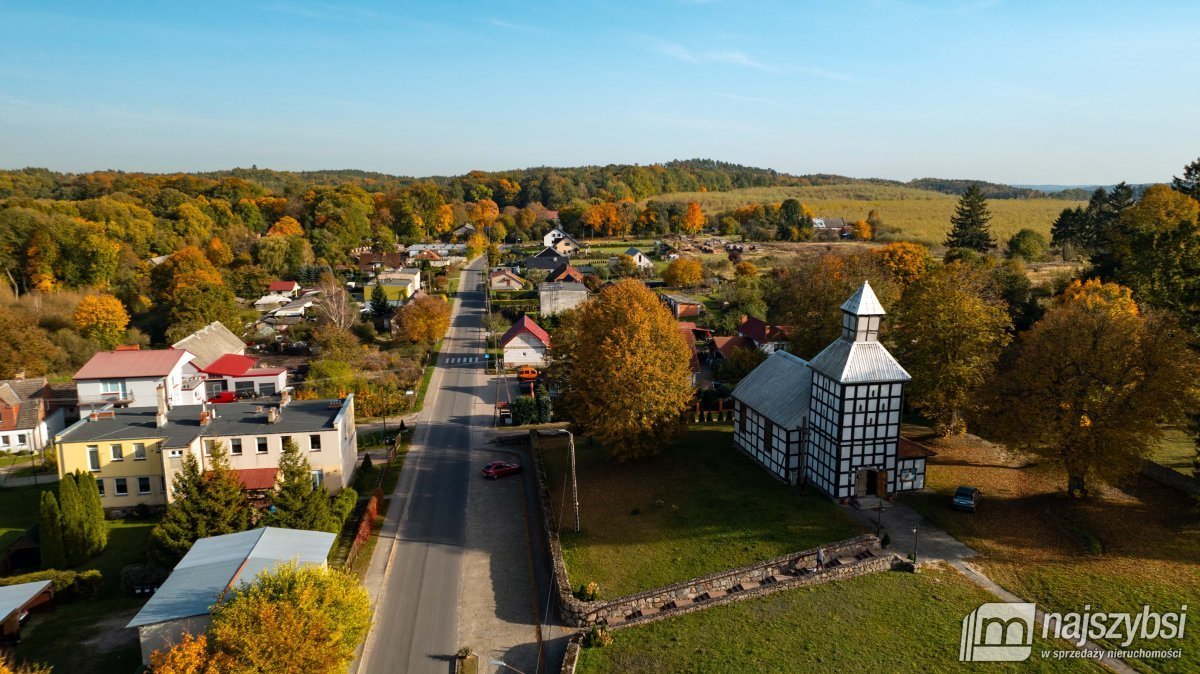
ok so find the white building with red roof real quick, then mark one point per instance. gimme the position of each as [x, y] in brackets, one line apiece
[285, 288]
[131, 377]
[241, 374]
[525, 343]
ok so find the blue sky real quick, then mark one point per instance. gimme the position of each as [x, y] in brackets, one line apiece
[1023, 92]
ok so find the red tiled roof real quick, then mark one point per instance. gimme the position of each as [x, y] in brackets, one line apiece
[526, 324]
[282, 285]
[123, 364]
[255, 479]
[230, 365]
[685, 329]
[911, 449]
[726, 345]
[759, 331]
[565, 272]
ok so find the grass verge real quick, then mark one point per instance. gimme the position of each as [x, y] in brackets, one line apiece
[885, 622]
[697, 508]
[1117, 551]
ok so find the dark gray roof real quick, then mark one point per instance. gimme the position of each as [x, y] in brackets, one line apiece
[183, 422]
[858, 363]
[778, 389]
[28, 394]
[217, 563]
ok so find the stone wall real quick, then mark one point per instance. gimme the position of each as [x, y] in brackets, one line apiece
[844, 559]
[1171, 478]
[571, 658]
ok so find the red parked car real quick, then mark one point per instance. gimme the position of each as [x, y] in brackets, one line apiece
[224, 397]
[497, 469]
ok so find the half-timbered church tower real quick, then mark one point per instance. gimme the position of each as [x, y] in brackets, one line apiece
[835, 421]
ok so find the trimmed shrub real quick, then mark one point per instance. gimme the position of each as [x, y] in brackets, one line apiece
[68, 585]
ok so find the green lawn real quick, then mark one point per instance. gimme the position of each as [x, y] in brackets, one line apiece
[1119, 550]
[699, 507]
[886, 622]
[1176, 451]
[19, 510]
[91, 636]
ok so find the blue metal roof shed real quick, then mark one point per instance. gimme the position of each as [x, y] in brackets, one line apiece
[215, 564]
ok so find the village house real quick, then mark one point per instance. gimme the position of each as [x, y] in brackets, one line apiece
[399, 286]
[210, 343]
[682, 306]
[462, 232]
[640, 259]
[285, 288]
[833, 422]
[723, 346]
[213, 566]
[546, 260]
[561, 242]
[565, 272]
[135, 453]
[370, 263]
[503, 279]
[131, 377]
[270, 302]
[555, 298]
[241, 374]
[763, 336]
[26, 420]
[525, 343]
[688, 332]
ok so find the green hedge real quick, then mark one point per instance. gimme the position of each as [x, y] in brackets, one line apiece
[68, 585]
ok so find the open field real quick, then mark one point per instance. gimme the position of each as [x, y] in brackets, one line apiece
[1118, 550]
[887, 622]
[697, 508]
[921, 215]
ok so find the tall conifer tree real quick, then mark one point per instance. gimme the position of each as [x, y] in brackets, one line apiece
[50, 533]
[970, 229]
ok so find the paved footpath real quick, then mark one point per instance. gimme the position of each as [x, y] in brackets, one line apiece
[935, 545]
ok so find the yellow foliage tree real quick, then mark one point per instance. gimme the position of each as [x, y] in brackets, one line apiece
[693, 219]
[862, 230]
[1092, 383]
[483, 212]
[444, 219]
[218, 253]
[906, 262]
[476, 245]
[286, 226]
[190, 656]
[745, 269]
[683, 272]
[424, 319]
[103, 318]
[623, 368]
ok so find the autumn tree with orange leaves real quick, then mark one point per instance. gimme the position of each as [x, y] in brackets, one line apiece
[906, 262]
[103, 318]
[1091, 384]
[424, 320]
[683, 272]
[693, 219]
[286, 226]
[190, 293]
[623, 369]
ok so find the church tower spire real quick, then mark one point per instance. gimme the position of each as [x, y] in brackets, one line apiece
[861, 315]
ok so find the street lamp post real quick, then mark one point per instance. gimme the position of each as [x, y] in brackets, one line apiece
[915, 532]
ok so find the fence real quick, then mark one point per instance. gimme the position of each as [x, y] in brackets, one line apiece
[366, 526]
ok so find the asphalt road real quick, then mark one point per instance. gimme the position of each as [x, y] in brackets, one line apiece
[416, 613]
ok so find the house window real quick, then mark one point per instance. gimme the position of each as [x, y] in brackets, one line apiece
[93, 457]
[139, 451]
[266, 389]
[121, 486]
[314, 443]
[284, 440]
[318, 477]
[174, 453]
[262, 445]
[117, 454]
[143, 485]
[113, 387]
[4, 440]
[100, 486]
[235, 446]
[20, 439]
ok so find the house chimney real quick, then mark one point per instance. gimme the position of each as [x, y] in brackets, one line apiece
[285, 397]
[272, 415]
[160, 417]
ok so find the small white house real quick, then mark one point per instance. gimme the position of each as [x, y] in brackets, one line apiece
[640, 258]
[561, 242]
[525, 343]
[131, 378]
[25, 420]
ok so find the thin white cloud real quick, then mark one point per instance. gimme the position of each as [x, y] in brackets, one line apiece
[682, 53]
[746, 99]
[501, 23]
